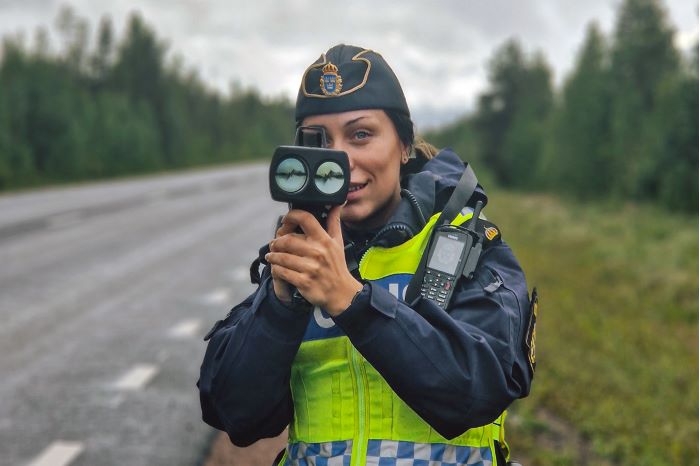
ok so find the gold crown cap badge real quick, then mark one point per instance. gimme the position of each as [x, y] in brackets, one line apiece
[330, 68]
[331, 81]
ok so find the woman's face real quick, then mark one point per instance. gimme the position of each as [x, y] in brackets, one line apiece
[375, 152]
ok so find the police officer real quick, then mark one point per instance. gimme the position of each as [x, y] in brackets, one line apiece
[367, 377]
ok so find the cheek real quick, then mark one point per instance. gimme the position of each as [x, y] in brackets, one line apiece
[387, 158]
[390, 168]
[387, 177]
[390, 176]
[383, 163]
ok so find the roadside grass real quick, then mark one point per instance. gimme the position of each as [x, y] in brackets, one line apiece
[617, 335]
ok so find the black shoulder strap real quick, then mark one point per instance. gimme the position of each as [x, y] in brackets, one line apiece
[463, 191]
[461, 194]
[255, 277]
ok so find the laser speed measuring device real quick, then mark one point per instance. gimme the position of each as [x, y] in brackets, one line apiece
[309, 176]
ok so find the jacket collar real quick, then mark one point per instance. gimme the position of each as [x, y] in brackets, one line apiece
[423, 194]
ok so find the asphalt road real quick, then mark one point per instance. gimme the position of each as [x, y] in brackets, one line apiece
[105, 293]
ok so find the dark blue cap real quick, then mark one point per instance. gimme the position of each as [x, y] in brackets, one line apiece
[348, 78]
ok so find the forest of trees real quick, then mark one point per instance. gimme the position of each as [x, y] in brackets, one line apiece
[623, 125]
[119, 109]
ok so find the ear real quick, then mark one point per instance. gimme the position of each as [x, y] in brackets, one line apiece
[405, 154]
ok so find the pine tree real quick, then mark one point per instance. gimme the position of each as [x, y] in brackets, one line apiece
[525, 142]
[512, 115]
[643, 57]
[103, 58]
[75, 32]
[577, 159]
[139, 73]
[674, 142]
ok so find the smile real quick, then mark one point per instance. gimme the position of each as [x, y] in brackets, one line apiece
[357, 187]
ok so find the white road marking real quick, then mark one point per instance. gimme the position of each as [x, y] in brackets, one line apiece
[218, 296]
[186, 329]
[137, 377]
[59, 453]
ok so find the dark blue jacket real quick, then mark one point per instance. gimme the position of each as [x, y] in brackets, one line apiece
[457, 369]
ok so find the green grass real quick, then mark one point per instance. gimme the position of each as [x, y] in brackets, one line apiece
[617, 337]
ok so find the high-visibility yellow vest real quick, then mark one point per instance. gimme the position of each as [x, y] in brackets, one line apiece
[344, 411]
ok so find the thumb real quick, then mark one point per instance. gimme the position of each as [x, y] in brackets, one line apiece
[333, 224]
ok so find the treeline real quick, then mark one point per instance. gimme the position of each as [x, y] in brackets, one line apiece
[119, 107]
[624, 125]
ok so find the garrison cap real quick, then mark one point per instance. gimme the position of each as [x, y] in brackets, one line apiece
[348, 78]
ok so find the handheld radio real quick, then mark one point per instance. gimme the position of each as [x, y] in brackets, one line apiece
[453, 251]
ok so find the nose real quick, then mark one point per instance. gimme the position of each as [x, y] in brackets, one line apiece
[351, 160]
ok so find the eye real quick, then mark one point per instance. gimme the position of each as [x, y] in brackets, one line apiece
[361, 134]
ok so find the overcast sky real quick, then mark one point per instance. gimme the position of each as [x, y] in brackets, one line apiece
[438, 49]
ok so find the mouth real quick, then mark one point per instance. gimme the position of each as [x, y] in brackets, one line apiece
[354, 187]
[355, 191]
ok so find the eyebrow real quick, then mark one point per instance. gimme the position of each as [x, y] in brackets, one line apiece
[353, 121]
[345, 125]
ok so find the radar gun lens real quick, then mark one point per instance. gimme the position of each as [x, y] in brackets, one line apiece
[291, 175]
[329, 178]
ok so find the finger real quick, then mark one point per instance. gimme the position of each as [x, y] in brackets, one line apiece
[333, 224]
[292, 262]
[285, 228]
[307, 222]
[292, 277]
[281, 239]
[294, 243]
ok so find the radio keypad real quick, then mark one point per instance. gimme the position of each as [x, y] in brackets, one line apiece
[437, 287]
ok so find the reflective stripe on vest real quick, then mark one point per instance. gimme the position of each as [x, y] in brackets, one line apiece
[344, 411]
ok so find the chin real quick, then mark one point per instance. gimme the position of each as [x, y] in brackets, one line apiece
[350, 218]
[353, 215]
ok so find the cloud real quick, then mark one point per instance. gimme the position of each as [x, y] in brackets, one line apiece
[439, 51]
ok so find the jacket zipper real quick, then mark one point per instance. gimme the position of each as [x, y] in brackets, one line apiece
[359, 445]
